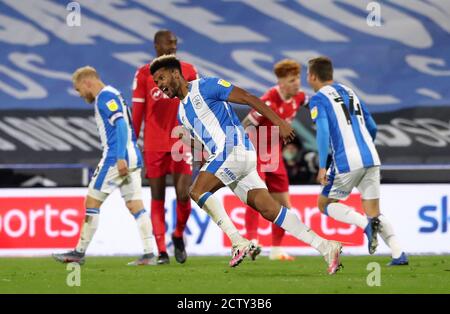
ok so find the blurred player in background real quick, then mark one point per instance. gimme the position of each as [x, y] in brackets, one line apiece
[344, 122]
[206, 113]
[284, 99]
[120, 166]
[159, 114]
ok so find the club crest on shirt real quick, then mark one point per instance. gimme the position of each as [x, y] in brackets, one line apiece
[112, 105]
[197, 101]
[314, 113]
[224, 83]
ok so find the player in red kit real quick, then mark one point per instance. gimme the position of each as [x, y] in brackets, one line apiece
[159, 114]
[285, 99]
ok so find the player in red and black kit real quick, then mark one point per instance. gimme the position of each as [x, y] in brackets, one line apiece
[159, 113]
[285, 99]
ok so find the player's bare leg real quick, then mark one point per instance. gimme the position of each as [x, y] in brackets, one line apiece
[136, 208]
[271, 210]
[277, 252]
[343, 213]
[372, 209]
[88, 230]
[158, 192]
[202, 193]
[182, 183]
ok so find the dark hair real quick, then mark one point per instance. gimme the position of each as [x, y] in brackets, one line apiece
[161, 33]
[165, 61]
[322, 67]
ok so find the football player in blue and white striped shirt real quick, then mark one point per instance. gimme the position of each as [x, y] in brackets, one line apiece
[206, 113]
[344, 124]
[120, 166]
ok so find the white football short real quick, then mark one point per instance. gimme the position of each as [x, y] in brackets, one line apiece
[106, 179]
[236, 169]
[366, 180]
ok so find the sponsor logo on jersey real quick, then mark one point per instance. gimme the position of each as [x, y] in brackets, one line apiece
[112, 105]
[314, 113]
[224, 83]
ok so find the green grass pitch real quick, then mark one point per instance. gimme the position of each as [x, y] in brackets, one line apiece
[307, 274]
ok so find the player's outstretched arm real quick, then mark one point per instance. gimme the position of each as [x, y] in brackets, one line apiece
[241, 96]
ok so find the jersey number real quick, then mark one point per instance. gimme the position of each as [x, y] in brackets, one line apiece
[355, 109]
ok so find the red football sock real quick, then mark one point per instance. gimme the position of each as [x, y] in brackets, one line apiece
[159, 224]
[277, 235]
[251, 223]
[183, 212]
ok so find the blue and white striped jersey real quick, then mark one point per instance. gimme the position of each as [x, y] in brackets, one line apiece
[347, 119]
[209, 118]
[109, 107]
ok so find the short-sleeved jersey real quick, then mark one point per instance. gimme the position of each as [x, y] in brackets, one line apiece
[157, 110]
[210, 119]
[351, 144]
[285, 109]
[109, 108]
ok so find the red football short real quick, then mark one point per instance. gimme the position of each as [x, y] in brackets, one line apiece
[277, 181]
[158, 164]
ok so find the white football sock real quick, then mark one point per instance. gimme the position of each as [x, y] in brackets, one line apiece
[344, 213]
[388, 236]
[289, 221]
[145, 230]
[88, 229]
[209, 203]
